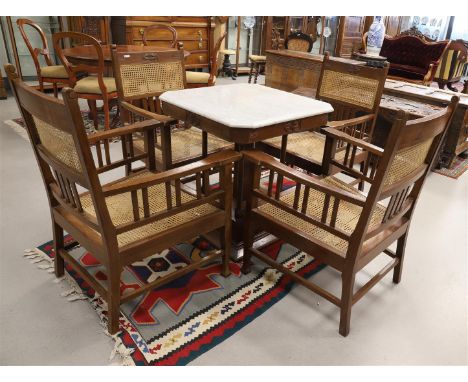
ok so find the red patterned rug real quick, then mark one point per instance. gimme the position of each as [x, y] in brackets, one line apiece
[457, 169]
[176, 323]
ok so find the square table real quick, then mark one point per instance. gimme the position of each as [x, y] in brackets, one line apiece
[245, 114]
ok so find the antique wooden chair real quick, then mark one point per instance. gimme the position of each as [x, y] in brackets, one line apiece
[163, 32]
[452, 65]
[257, 63]
[335, 223]
[128, 219]
[94, 87]
[141, 78]
[202, 79]
[48, 73]
[354, 91]
[299, 41]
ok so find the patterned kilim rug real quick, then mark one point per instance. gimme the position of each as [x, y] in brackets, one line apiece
[457, 169]
[176, 323]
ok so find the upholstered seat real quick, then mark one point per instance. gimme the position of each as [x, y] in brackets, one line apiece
[346, 220]
[198, 77]
[121, 211]
[187, 144]
[257, 58]
[229, 52]
[90, 85]
[54, 71]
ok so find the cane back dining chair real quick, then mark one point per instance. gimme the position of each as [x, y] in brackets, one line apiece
[141, 77]
[334, 222]
[130, 218]
[355, 92]
[202, 79]
[299, 41]
[49, 73]
[96, 86]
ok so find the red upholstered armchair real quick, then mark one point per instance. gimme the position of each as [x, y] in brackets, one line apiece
[412, 59]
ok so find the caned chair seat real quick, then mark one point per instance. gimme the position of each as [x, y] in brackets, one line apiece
[257, 59]
[187, 144]
[198, 77]
[90, 85]
[309, 145]
[54, 71]
[121, 211]
[347, 217]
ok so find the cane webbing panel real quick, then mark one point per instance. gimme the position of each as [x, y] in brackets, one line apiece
[141, 79]
[309, 145]
[187, 144]
[347, 217]
[349, 88]
[406, 161]
[59, 143]
[298, 44]
[121, 212]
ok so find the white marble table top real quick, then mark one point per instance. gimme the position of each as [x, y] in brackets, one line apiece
[246, 105]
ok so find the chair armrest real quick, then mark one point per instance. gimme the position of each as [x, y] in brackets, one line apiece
[334, 133]
[125, 130]
[260, 158]
[148, 114]
[340, 125]
[215, 160]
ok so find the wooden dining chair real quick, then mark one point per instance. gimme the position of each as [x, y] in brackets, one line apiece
[141, 77]
[164, 33]
[203, 79]
[94, 87]
[131, 218]
[337, 224]
[48, 73]
[355, 92]
[299, 42]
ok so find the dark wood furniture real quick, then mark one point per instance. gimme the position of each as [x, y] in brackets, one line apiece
[141, 78]
[131, 218]
[201, 79]
[49, 73]
[354, 91]
[452, 65]
[94, 87]
[153, 32]
[96, 26]
[278, 28]
[299, 42]
[194, 32]
[3, 92]
[334, 222]
[456, 141]
[350, 31]
[257, 64]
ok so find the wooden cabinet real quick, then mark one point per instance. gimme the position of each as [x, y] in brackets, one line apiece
[350, 33]
[196, 33]
[285, 25]
[96, 26]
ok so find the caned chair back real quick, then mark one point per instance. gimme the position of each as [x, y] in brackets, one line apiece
[170, 37]
[299, 41]
[72, 69]
[350, 88]
[36, 53]
[61, 147]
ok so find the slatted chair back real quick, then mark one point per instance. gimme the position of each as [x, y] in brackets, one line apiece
[171, 33]
[38, 52]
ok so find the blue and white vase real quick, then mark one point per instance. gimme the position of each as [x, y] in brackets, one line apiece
[375, 36]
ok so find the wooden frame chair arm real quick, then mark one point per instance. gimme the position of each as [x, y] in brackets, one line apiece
[334, 133]
[138, 127]
[148, 114]
[340, 125]
[219, 159]
[262, 159]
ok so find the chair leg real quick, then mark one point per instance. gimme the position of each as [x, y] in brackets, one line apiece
[347, 280]
[93, 110]
[55, 87]
[106, 114]
[248, 243]
[227, 250]
[41, 85]
[113, 303]
[257, 72]
[400, 253]
[251, 71]
[59, 264]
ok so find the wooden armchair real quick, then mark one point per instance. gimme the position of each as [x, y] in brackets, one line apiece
[334, 222]
[354, 91]
[94, 87]
[163, 32]
[299, 41]
[141, 78]
[452, 65]
[202, 79]
[128, 219]
[49, 73]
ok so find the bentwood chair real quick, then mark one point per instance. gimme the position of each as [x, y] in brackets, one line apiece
[203, 79]
[130, 218]
[48, 73]
[164, 32]
[96, 86]
[334, 222]
[354, 91]
[141, 77]
[299, 41]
